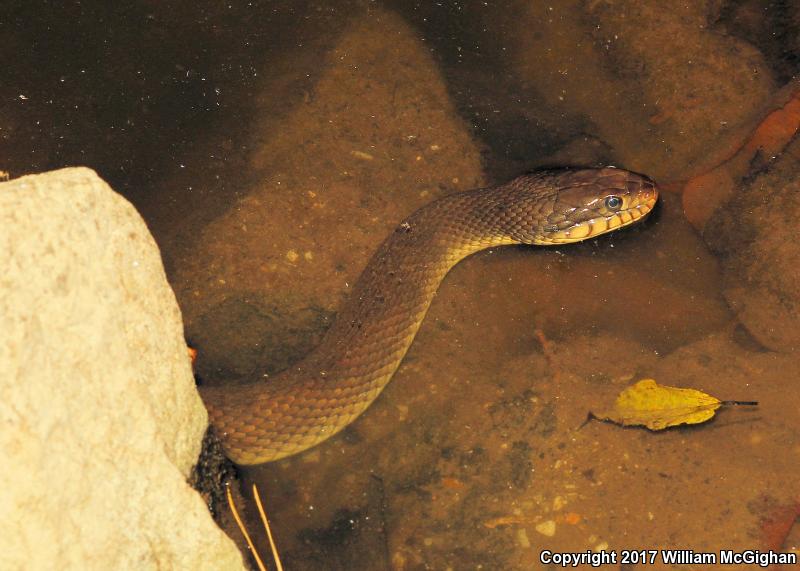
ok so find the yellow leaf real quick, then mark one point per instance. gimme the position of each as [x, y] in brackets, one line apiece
[658, 407]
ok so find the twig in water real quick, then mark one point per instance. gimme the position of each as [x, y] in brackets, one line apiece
[244, 530]
[269, 532]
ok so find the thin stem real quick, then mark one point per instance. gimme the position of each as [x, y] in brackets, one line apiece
[266, 526]
[244, 530]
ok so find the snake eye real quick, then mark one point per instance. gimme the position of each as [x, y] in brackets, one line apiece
[613, 202]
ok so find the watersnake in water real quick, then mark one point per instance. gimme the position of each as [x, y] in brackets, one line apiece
[327, 390]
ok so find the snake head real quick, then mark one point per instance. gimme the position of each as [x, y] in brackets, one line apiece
[570, 205]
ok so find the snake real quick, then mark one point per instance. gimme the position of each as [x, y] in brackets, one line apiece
[272, 418]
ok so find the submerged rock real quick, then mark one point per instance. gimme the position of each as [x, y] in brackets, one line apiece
[375, 138]
[755, 236]
[101, 420]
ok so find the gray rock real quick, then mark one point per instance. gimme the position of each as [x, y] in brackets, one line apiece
[100, 418]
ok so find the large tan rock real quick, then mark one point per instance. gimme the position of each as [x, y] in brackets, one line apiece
[100, 419]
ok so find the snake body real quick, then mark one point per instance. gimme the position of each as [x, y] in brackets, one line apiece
[316, 398]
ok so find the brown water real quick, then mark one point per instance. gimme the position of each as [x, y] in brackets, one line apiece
[271, 147]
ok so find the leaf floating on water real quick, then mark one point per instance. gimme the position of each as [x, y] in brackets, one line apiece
[658, 407]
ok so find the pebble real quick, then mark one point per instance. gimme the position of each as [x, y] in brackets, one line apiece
[522, 538]
[547, 528]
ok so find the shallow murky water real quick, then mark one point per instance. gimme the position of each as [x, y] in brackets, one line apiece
[271, 148]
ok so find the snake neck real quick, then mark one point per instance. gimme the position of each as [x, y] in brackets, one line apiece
[362, 349]
[393, 293]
